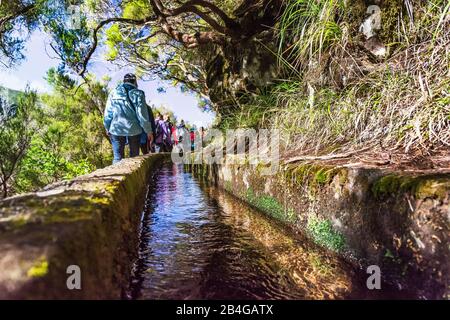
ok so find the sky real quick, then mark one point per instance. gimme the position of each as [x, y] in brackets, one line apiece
[40, 58]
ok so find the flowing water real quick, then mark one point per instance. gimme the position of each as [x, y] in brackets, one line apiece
[198, 242]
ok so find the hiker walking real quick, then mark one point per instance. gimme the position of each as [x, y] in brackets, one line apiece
[127, 117]
[192, 137]
[182, 131]
[173, 133]
[163, 135]
[169, 140]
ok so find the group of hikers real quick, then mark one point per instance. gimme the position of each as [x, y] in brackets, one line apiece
[129, 121]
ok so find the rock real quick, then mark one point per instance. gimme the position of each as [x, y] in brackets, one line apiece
[376, 47]
[370, 28]
[372, 23]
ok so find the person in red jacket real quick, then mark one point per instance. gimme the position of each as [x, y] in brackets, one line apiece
[173, 131]
[192, 133]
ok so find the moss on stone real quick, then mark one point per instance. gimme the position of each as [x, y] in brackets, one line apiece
[421, 187]
[323, 234]
[312, 176]
[100, 201]
[228, 186]
[321, 265]
[296, 175]
[69, 207]
[271, 206]
[343, 176]
[18, 222]
[391, 184]
[321, 176]
[63, 218]
[324, 176]
[205, 171]
[436, 188]
[111, 187]
[90, 222]
[390, 15]
[39, 270]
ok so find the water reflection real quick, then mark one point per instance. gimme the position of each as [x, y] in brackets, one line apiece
[198, 242]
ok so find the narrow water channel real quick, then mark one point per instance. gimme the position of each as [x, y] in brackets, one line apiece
[198, 242]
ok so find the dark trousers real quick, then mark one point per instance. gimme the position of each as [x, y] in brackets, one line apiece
[145, 149]
[118, 146]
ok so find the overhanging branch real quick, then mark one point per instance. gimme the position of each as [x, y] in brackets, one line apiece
[191, 6]
[99, 27]
[8, 18]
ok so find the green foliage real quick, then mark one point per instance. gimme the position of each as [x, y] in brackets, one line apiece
[71, 140]
[52, 168]
[323, 234]
[252, 111]
[58, 80]
[324, 176]
[162, 110]
[136, 9]
[71, 44]
[113, 37]
[153, 54]
[17, 15]
[308, 28]
[405, 107]
[15, 136]
[372, 109]
[388, 254]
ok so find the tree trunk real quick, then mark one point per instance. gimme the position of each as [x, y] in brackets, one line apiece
[4, 190]
[242, 67]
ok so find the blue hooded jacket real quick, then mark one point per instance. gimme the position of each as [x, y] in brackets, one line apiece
[123, 118]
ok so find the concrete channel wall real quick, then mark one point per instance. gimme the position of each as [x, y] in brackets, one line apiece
[90, 222]
[395, 220]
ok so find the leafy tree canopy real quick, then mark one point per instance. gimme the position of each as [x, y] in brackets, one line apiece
[173, 40]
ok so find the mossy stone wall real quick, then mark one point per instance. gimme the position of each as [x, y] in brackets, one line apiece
[397, 221]
[90, 222]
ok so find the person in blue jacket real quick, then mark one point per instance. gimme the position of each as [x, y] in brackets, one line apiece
[127, 117]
